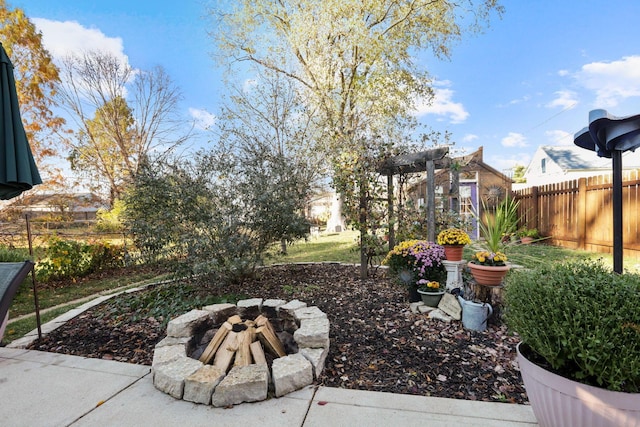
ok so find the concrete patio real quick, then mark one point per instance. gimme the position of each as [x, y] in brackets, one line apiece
[49, 389]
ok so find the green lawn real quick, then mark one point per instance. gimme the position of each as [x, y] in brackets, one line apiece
[342, 247]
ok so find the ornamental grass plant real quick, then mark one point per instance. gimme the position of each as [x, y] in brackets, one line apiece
[580, 319]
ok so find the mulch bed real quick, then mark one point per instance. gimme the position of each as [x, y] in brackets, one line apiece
[377, 343]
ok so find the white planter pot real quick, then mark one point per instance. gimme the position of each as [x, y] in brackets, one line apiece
[559, 401]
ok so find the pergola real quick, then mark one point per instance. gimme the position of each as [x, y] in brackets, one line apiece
[424, 161]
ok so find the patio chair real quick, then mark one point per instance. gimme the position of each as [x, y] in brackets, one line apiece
[11, 275]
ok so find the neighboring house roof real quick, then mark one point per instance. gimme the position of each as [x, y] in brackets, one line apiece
[554, 164]
[74, 202]
[573, 157]
[477, 159]
[470, 162]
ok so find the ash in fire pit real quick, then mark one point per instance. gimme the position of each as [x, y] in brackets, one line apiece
[227, 354]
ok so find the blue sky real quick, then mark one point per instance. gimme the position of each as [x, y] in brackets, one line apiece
[530, 79]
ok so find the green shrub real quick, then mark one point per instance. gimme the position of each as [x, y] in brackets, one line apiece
[104, 255]
[582, 319]
[108, 221]
[69, 259]
[13, 255]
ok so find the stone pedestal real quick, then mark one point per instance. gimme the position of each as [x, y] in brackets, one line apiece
[454, 273]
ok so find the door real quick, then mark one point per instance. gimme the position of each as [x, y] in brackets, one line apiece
[469, 205]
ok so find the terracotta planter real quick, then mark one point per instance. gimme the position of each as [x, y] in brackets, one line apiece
[559, 401]
[453, 252]
[526, 240]
[488, 275]
[432, 299]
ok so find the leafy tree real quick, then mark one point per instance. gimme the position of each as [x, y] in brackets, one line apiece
[354, 59]
[93, 155]
[36, 76]
[190, 211]
[518, 174]
[121, 116]
[272, 136]
[110, 221]
[220, 212]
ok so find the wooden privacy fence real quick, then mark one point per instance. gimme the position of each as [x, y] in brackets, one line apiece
[578, 214]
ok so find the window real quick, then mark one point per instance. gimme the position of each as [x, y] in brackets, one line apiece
[543, 165]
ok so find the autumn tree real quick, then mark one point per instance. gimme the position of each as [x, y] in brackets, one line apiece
[121, 115]
[355, 60]
[272, 136]
[36, 77]
[222, 209]
[518, 174]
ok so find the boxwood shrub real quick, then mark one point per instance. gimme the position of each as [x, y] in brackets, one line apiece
[581, 318]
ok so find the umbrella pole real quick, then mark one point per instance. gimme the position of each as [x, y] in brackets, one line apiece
[33, 279]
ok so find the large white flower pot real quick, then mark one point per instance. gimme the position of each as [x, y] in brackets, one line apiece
[559, 401]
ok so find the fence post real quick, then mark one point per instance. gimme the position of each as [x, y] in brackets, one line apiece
[535, 208]
[582, 214]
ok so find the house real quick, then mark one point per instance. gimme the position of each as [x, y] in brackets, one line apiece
[325, 208]
[75, 206]
[553, 164]
[478, 183]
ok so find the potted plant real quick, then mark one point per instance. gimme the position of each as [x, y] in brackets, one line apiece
[528, 235]
[488, 268]
[431, 292]
[453, 240]
[580, 352]
[414, 260]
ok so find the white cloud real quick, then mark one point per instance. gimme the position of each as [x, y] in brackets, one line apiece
[442, 104]
[202, 118]
[514, 139]
[70, 37]
[612, 82]
[563, 73]
[559, 137]
[565, 99]
[520, 100]
[469, 138]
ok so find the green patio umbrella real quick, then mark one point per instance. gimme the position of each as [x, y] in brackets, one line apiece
[18, 171]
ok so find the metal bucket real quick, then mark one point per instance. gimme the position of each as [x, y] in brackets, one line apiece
[475, 315]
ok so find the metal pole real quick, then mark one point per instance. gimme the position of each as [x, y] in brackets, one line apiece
[33, 279]
[617, 211]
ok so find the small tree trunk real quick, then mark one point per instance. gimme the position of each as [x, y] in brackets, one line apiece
[364, 268]
[283, 246]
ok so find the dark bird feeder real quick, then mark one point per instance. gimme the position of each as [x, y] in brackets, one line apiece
[609, 137]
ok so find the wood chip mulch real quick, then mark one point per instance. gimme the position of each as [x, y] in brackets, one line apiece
[377, 343]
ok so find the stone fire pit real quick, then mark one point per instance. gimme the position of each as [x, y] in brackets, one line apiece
[178, 372]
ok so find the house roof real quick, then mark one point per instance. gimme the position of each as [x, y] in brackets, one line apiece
[476, 159]
[572, 157]
[80, 202]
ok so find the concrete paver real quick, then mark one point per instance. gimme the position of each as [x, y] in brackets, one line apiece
[49, 389]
